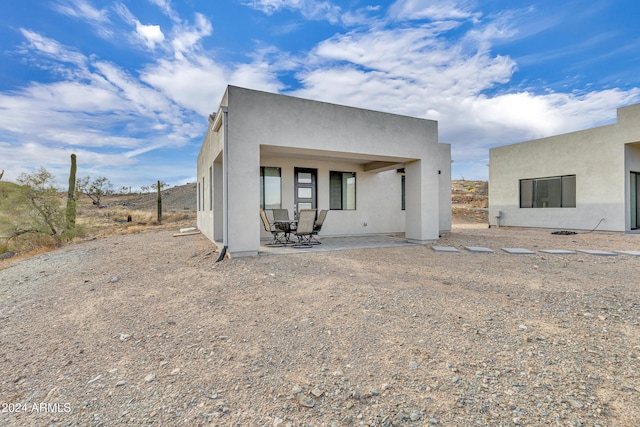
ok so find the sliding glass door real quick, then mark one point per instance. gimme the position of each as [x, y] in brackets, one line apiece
[635, 200]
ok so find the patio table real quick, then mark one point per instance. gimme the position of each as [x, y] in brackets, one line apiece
[286, 225]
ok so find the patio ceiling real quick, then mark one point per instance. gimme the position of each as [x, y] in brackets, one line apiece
[371, 163]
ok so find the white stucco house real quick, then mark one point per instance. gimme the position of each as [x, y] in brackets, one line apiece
[376, 172]
[577, 181]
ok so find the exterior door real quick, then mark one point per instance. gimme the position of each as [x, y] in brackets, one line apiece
[635, 200]
[305, 189]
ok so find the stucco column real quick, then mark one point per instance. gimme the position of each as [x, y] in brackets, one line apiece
[422, 206]
[242, 171]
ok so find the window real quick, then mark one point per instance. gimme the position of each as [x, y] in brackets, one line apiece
[199, 198]
[552, 192]
[342, 190]
[210, 188]
[403, 192]
[270, 188]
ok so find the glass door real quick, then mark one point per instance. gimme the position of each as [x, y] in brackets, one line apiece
[635, 200]
[305, 189]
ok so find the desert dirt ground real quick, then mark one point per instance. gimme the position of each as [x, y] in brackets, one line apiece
[147, 329]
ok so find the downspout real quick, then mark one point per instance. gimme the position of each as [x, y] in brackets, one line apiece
[225, 180]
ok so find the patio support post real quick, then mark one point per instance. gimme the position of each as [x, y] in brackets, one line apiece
[422, 206]
[242, 166]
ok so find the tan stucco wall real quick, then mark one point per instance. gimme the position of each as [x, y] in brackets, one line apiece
[310, 133]
[596, 156]
[445, 187]
[211, 149]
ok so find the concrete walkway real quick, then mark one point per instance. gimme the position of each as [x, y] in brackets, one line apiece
[388, 241]
[525, 251]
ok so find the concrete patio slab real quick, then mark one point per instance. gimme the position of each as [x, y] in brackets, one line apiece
[444, 249]
[558, 251]
[518, 251]
[596, 252]
[340, 244]
[479, 249]
[634, 253]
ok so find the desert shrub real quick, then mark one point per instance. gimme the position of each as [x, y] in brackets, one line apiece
[96, 189]
[31, 213]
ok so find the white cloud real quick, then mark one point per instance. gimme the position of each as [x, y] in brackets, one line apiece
[402, 70]
[150, 34]
[435, 10]
[84, 11]
[81, 9]
[310, 9]
[51, 48]
[106, 115]
[186, 38]
[165, 7]
[196, 85]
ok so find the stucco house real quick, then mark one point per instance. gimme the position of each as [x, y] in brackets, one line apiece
[376, 172]
[582, 180]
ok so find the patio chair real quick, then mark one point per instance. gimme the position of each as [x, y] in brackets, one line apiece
[280, 214]
[317, 227]
[277, 233]
[304, 230]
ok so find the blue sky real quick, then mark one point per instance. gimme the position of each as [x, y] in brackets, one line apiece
[128, 85]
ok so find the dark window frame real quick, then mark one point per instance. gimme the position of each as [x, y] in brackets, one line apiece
[404, 195]
[337, 199]
[533, 191]
[263, 187]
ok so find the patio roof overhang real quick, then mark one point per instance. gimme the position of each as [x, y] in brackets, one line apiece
[370, 162]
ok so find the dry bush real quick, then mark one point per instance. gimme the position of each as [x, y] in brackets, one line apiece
[105, 221]
[32, 242]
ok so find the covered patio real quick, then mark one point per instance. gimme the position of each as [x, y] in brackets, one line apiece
[376, 173]
[341, 243]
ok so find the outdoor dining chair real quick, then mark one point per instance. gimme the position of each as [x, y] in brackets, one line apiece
[317, 227]
[304, 230]
[280, 214]
[278, 234]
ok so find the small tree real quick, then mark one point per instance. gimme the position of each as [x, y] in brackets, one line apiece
[33, 206]
[125, 190]
[158, 186]
[144, 188]
[42, 195]
[95, 189]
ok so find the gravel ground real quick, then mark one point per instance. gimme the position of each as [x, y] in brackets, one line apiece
[147, 329]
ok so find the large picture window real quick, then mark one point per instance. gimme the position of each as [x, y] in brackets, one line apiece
[342, 190]
[270, 188]
[551, 192]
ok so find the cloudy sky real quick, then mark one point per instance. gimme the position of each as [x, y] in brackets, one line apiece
[127, 85]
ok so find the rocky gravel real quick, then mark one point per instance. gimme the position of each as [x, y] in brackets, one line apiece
[147, 329]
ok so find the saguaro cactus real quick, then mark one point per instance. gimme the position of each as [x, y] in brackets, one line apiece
[1, 173]
[159, 203]
[71, 195]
